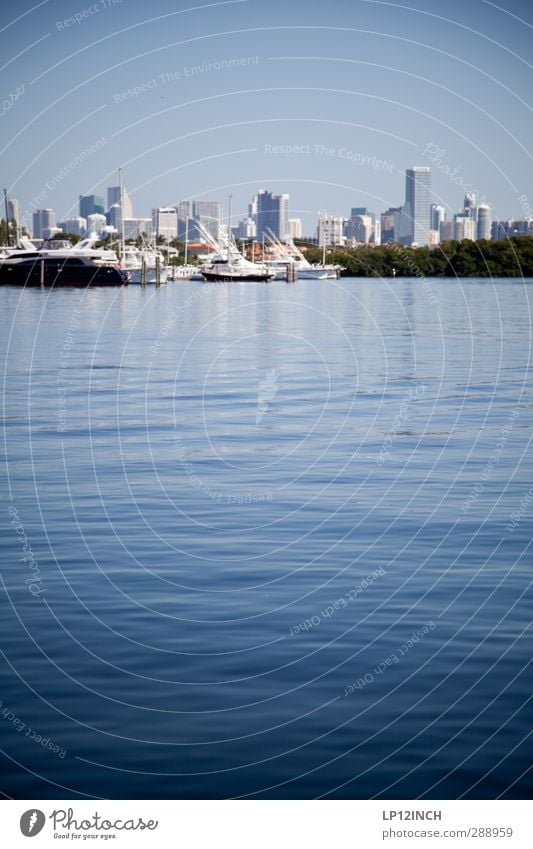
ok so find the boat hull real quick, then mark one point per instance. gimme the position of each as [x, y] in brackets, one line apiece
[45, 272]
[229, 277]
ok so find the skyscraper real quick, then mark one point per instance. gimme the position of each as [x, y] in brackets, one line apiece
[165, 222]
[271, 214]
[44, 223]
[90, 205]
[113, 197]
[416, 220]
[484, 223]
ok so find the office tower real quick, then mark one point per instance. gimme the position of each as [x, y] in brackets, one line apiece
[165, 222]
[446, 231]
[295, 228]
[330, 230]
[245, 229]
[136, 227]
[113, 197]
[209, 214]
[114, 217]
[97, 223]
[185, 218]
[415, 222]
[77, 226]
[438, 215]
[44, 223]
[91, 204]
[484, 222]
[359, 228]
[363, 226]
[271, 215]
[389, 223]
[13, 211]
[464, 227]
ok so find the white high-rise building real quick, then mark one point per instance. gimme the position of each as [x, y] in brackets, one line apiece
[165, 222]
[464, 227]
[330, 230]
[295, 228]
[97, 223]
[75, 225]
[135, 227]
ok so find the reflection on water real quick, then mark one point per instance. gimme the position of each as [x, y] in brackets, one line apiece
[263, 542]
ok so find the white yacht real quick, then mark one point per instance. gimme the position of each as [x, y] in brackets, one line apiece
[287, 254]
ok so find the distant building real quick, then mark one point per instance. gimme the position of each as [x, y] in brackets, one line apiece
[389, 221]
[44, 223]
[113, 197]
[330, 230]
[464, 227]
[97, 223]
[484, 222]
[75, 226]
[359, 228]
[165, 222]
[512, 227]
[245, 229]
[295, 228]
[415, 223]
[446, 231]
[438, 215]
[197, 216]
[135, 227]
[363, 226]
[271, 215]
[114, 217]
[91, 204]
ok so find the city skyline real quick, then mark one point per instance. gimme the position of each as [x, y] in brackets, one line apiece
[204, 101]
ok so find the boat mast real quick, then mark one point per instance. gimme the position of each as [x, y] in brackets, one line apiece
[186, 237]
[229, 223]
[8, 240]
[121, 195]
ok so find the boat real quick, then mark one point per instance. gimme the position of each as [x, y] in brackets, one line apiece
[227, 263]
[286, 254]
[144, 265]
[61, 264]
[36, 269]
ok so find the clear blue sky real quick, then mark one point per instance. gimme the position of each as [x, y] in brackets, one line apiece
[377, 81]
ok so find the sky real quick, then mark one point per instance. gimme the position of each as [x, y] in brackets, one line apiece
[329, 102]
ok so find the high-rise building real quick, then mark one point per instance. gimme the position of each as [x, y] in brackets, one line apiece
[114, 217]
[295, 228]
[438, 215]
[91, 204]
[389, 223]
[209, 214]
[359, 228]
[446, 231]
[113, 197]
[484, 222]
[416, 223]
[271, 215]
[464, 227]
[330, 230]
[97, 223]
[44, 223]
[77, 226]
[135, 227]
[165, 222]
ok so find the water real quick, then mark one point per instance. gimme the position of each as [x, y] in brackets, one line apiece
[269, 541]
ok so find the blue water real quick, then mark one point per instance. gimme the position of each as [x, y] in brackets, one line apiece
[237, 505]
